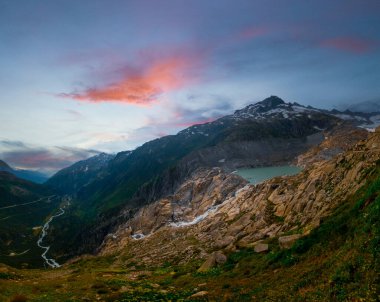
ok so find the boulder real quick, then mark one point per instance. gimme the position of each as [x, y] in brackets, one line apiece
[227, 240]
[207, 265]
[220, 258]
[200, 294]
[286, 242]
[214, 259]
[261, 247]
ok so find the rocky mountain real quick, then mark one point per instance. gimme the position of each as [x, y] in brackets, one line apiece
[270, 132]
[221, 211]
[33, 176]
[313, 236]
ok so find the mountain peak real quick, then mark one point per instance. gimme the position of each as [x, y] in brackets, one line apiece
[271, 102]
[271, 106]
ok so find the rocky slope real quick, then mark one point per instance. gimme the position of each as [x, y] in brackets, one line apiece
[309, 237]
[337, 140]
[215, 211]
[337, 261]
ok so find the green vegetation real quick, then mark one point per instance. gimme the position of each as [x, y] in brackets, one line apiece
[23, 206]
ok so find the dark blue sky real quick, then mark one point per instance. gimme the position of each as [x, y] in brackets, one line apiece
[81, 76]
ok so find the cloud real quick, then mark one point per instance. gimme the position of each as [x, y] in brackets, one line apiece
[74, 113]
[149, 74]
[47, 160]
[12, 144]
[102, 139]
[199, 109]
[350, 44]
[184, 116]
[252, 32]
[141, 86]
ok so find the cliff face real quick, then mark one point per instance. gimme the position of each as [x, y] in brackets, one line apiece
[219, 211]
[337, 140]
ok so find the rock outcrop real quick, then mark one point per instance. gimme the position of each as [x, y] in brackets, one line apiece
[261, 247]
[215, 210]
[214, 259]
[286, 242]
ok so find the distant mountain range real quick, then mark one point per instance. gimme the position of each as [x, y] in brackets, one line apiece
[33, 176]
[366, 107]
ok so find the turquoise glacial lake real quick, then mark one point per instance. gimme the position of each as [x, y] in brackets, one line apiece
[258, 175]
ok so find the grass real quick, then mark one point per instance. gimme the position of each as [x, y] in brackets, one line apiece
[6, 276]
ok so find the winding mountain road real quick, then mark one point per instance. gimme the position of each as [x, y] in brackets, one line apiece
[26, 203]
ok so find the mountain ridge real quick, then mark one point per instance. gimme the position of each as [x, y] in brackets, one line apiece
[79, 174]
[157, 168]
[308, 237]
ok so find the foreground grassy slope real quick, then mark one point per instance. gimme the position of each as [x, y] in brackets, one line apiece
[338, 261]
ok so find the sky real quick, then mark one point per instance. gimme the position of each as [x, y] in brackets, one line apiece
[82, 77]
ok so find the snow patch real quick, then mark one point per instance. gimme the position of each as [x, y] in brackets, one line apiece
[195, 220]
[209, 211]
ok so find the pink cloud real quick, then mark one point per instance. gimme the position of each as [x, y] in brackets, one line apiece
[47, 159]
[141, 87]
[350, 44]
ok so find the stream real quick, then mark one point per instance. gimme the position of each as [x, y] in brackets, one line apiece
[49, 261]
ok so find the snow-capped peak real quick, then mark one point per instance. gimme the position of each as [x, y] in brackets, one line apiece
[272, 107]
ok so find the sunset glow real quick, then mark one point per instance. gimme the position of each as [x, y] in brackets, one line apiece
[141, 89]
[107, 76]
